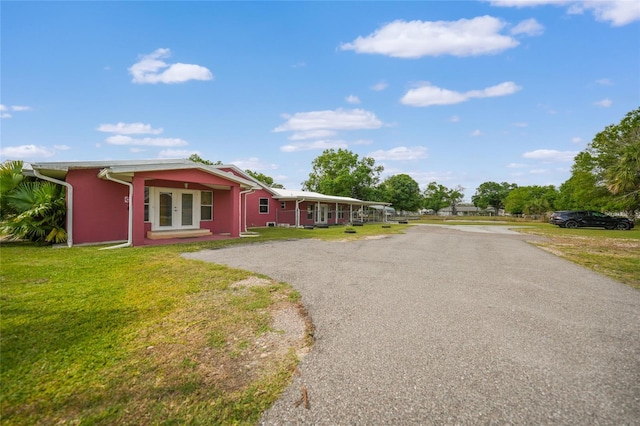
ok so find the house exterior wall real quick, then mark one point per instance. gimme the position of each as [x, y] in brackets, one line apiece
[288, 214]
[253, 216]
[101, 207]
[226, 203]
[100, 212]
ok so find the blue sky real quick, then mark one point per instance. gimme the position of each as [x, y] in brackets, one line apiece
[457, 92]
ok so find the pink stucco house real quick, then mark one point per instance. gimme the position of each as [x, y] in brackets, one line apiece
[267, 206]
[135, 203]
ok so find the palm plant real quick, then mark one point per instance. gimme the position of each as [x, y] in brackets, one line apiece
[10, 177]
[31, 210]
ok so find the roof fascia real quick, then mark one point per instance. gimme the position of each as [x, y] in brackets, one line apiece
[247, 176]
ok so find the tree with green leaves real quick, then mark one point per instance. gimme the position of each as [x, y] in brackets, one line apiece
[343, 173]
[437, 197]
[492, 194]
[32, 209]
[531, 200]
[615, 154]
[582, 191]
[403, 192]
[455, 196]
[197, 159]
[267, 180]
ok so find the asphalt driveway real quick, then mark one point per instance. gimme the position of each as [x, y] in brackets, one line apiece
[443, 326]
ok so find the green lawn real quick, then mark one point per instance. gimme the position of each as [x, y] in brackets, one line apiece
[144, 336]
[615, 254]
[139, 335]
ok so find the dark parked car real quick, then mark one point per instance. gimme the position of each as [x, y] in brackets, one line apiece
[588, 218]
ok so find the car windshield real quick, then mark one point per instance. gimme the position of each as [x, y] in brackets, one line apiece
[598, 214]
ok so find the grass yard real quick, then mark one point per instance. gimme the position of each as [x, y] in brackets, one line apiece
[615, 254]
[142, 335]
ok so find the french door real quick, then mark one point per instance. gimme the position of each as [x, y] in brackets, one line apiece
[322, 213]
[176, 209]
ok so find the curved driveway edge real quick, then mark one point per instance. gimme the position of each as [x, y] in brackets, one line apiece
[440, 326]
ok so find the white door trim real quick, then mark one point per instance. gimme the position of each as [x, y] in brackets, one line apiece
[178, 214]
[323, 210]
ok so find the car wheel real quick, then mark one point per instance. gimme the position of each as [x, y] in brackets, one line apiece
[571, 224]
[622, 226]
[610, 227]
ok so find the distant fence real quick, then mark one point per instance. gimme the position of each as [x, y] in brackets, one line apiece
[333, 217]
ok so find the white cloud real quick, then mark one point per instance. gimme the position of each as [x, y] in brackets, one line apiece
[128, 140]
[427, 94]
[605, 103]
[379, 86]
[129, 129]
[520, 125]
[352, 99]
[362, 142]
[454, 119]
[254, 163]
[26, 152]
[605, 82]
[312, 134]
[550, 155]
[576, 139]
[315, 145]
[174, 153]
[62, 147]
[301, 64]
[617, 12]
[517, 166]
[152, 69]
[136, 150]
[415, 39]
[4, 110]
[401, 153]
[330, 120]
[475, 133]
[529, 27]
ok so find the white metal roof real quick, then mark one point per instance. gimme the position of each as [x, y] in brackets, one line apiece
[129, 167]
[287, 194]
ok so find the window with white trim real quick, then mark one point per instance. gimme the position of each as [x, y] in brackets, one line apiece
[146, 204]
[264, 205]
[341, 212]
[206, 205]
[310, 211]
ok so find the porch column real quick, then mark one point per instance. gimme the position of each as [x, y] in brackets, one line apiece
[297, 218]
[137, 204]
[336, 213]
[317, 212]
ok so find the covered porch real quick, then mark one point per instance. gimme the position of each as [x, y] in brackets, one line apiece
[314, 209]
[147, 202]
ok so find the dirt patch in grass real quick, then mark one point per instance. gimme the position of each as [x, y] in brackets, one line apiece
[205, 355]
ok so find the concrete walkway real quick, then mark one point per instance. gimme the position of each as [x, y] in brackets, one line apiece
[442, 326]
